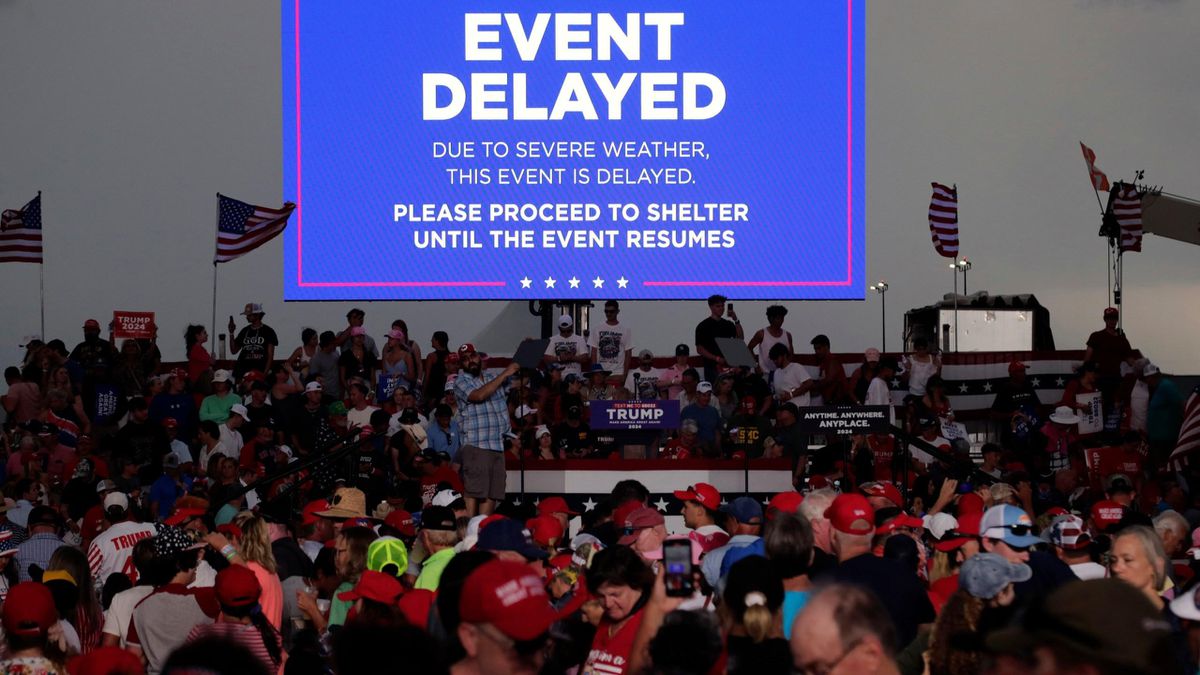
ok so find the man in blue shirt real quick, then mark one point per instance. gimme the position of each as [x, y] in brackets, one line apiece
[166, 489]
[482, 402]
[707, 418]
[1164, 416]
[444, 434]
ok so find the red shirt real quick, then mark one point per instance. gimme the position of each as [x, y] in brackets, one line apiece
[610, 653]
[941, 590]
[443, 474]
[675, 450]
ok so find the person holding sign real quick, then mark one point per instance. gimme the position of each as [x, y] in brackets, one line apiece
[1061, 438]
[1083, 397]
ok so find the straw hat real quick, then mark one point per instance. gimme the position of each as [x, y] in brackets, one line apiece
[346, 503]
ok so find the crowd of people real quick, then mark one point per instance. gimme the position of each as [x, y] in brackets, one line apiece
[344, 508]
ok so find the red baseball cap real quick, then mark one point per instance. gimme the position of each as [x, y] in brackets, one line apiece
[230, 530]
[639, 519]
[91, 323]
[401, 521]
[544, 529]
[851, 514]
[784, 502]
[237, 586]
[416, 604]
[170, 423]
[703, 494]
[967, 530]
[1055, 511]
[1111, 311]
[1015, 366]
[902, 520]
[883, 489]
[510, 596]
[466, 348]
[308, 515]
[254, 376]
[375, 586]
[1106, 513]
[106, 661]
[969, 503]
[555, 505]
[182, 515]
[29, 610]
[622, 512]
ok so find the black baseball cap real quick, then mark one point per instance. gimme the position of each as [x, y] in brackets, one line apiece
[438, 518]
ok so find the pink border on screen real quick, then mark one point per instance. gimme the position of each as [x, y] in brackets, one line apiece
[411, 284]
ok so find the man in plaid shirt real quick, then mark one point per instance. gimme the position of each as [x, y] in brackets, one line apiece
[482, 401]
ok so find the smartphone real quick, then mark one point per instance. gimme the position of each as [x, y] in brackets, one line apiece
[729, 308]
[677, 556]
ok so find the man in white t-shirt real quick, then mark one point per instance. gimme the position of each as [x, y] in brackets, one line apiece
[789, 381]
[112, 550]
[231, 438]
[772, 335]
[930, 429]
[879, 392]
[120, 610]
[178, 447]
[642, 382]
[610, 341]
[359, 414]
[567, 348]
[1072, 543]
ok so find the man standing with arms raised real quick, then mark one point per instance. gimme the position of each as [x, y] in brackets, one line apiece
[482, 402]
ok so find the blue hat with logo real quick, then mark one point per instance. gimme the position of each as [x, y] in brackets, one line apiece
[1010, 525]
[746, 510]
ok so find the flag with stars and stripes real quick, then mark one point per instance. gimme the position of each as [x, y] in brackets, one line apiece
[1127, 207]
[21, 233]
[243, 227]
[943, 220]
[1189, 434]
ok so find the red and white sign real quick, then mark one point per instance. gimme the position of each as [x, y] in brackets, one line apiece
[133, 325]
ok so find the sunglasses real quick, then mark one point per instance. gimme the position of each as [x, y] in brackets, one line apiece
[1019, 530]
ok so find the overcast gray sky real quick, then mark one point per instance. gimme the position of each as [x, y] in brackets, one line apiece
[130, 115]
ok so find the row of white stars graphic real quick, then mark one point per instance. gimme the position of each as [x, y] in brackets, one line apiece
[573, 282]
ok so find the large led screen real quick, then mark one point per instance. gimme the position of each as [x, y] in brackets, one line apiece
[571, 149]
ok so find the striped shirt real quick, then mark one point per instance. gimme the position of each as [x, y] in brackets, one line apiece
[485, 422]
[36, 550]
[244, 634]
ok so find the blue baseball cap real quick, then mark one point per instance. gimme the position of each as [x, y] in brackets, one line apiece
[746, 510]
[1010, 525]
[507, 534]
[984, 575]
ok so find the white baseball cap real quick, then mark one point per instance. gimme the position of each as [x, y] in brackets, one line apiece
[240, 410]
[445, 498]
[565, 321]
[116, 499]
[313, 386]
[223, 376]
[526, 410]
[704, 388]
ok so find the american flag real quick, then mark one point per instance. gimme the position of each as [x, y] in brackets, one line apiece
[943, 219]
[1127, 207]
[21, 233]
[1189, 433]
[1098, 177]
[243, 227]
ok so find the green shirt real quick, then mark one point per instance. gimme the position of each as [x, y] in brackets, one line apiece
[431, 569]
[216, 408]
[338, 609]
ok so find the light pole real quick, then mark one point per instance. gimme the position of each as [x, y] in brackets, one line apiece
[962, 266]
[881, 288]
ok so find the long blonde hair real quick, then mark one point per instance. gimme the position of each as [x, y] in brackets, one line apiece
[255, 544]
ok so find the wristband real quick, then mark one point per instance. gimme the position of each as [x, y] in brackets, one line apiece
[229, 551]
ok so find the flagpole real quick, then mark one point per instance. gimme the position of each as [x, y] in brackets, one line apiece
[212, 328]
[954, 272]
[41, 275]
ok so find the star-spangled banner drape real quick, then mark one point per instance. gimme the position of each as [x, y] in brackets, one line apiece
[21, 233]
[243, 227]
